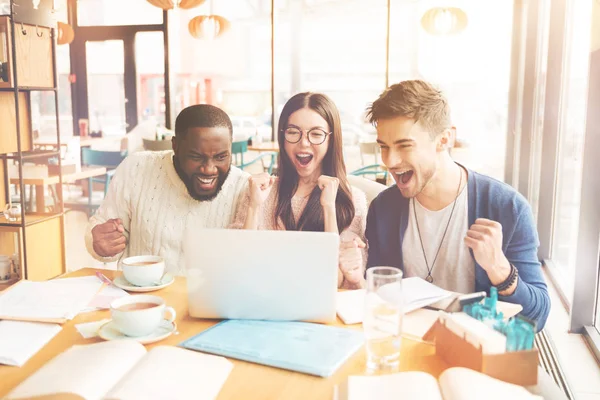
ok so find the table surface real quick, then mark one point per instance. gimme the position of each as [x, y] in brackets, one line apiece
[86, 141]
[67, 178]
[247, 380]
[265, 146]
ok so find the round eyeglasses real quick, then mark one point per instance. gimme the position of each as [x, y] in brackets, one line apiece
[315, 135]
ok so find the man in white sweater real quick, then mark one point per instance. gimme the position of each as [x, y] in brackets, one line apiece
[154, 197]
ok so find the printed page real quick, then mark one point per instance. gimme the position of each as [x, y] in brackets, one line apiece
[101, 300]
[88, 371]
[399, 386]
[197, 376]
[21, 340]
[466, 384]
[46, 300]
[417, 293]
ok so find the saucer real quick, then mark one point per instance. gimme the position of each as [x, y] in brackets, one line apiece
[109, 331]
[124, 284]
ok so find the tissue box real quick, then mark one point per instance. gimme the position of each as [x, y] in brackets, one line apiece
[518, 367]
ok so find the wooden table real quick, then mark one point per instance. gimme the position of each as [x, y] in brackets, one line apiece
[86, 141]
[265, 146]
[247, 380]
[41, 182]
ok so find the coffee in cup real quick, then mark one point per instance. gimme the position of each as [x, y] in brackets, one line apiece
[139, 315]
[143, 270]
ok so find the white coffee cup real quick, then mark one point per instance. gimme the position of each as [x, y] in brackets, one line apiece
[143, 270]
[139, 315]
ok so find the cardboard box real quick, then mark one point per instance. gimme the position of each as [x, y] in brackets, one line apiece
[519, 367]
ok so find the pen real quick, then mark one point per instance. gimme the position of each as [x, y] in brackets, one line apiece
[105, 281]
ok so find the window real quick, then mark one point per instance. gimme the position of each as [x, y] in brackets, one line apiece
[106, 89]
[570, 149]
[150, 67]
[335, 49]
[472, 68]
[42, 103]
[232, 72]
[117, 12]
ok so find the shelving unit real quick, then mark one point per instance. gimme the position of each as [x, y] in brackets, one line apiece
[28, 54]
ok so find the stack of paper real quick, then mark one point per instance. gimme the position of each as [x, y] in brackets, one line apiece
[102, 299]
[417, 293]
[21, 340]
[51, 301]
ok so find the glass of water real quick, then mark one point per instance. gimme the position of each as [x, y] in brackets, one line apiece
[382, 322]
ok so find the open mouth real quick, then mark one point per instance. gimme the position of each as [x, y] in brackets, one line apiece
[304, 158]
[206, 183]
[404, 177]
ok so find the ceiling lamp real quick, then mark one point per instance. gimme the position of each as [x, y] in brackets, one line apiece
[208, 26]
[171, 4]
[65, 33]
[444, 21]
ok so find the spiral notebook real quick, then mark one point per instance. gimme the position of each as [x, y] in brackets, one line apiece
[297, 346]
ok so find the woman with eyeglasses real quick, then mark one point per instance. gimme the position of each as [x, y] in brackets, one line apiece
[311, 191]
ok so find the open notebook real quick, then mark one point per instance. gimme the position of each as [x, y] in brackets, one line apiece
[122, 369]
[454, 384]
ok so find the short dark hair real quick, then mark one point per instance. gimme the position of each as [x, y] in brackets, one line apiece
[201, 116]
[415, 99]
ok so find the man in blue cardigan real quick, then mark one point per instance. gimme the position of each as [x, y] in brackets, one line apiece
[458, 229]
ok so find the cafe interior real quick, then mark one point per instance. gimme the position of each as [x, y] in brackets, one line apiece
[84, 84]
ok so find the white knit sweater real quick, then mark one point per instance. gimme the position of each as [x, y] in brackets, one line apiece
[156, 208]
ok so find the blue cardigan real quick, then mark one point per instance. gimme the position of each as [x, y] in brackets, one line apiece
[387, 221]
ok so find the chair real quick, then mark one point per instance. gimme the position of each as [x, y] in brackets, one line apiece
[374, 169]
[108, 159]
[240, 147]
[157, 145]
[368, 186]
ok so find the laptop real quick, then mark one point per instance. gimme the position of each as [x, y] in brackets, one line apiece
[262, 275]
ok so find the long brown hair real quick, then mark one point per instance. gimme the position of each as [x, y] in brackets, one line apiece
[312, 218]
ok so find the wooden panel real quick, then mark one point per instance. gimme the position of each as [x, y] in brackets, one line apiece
[45, 250]
[8, 243]
[3, 189]
[8, 127]
[34, 56]
[5, 54]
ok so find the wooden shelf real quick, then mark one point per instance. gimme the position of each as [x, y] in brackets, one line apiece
[31, 155]
[6, 88]
[30, 219]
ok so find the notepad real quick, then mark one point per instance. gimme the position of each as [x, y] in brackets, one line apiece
[122, 369]
[453, 384]
[297, 346]
[51, 301]
[19, 341]
[417, 293]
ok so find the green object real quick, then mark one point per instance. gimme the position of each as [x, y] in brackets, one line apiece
[518, 330]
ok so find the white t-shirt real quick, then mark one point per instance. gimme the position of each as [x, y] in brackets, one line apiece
[454, 268]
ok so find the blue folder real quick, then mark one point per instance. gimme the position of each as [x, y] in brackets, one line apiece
[298, 346]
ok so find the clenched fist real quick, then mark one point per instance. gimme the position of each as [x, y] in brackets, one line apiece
[108, 238]
[260, 186]
[329, 188]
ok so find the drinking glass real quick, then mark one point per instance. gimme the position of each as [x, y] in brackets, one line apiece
[382, 322]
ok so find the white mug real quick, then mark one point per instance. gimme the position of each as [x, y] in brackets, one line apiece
[143, 270]
[12, 212]
[139, 315]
